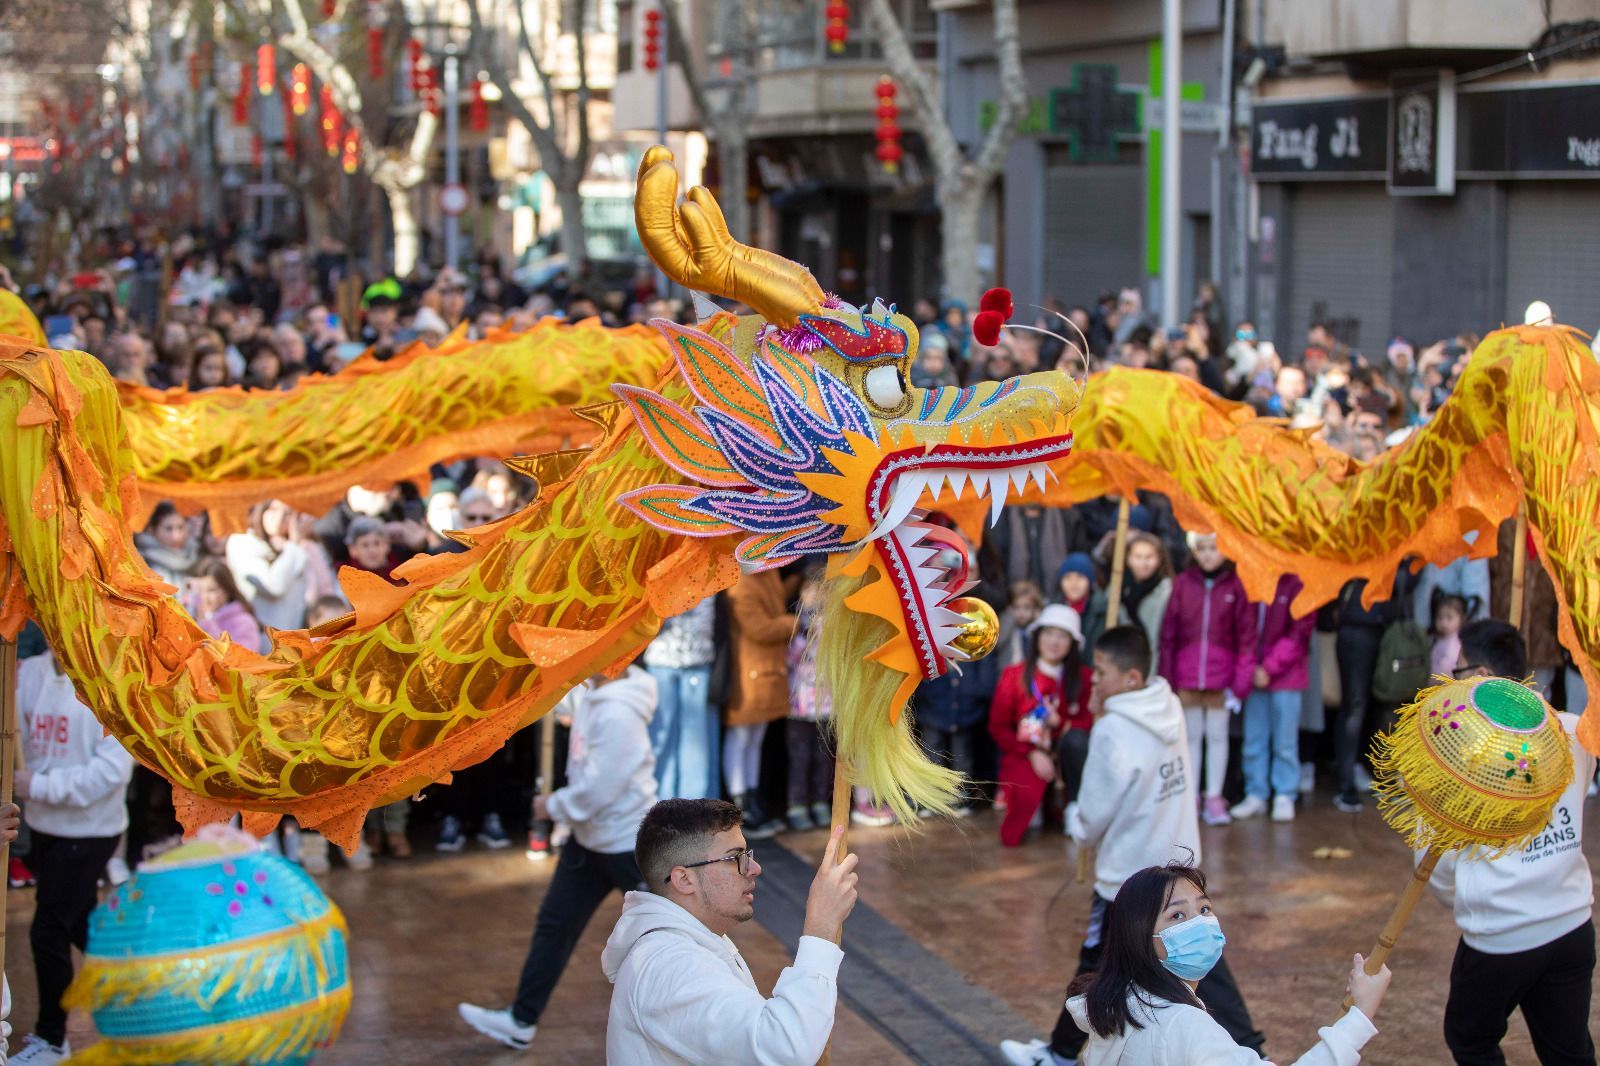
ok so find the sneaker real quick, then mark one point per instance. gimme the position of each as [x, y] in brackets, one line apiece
[18, 875]
[1250, 807]
[291, 841]
[868, 815]
[1348, 802]
[36, 1051]
[1033, 1053]
[1282, 809]
[764, 829]
[822, 815]
[1308, 778]
[1000, 800]
[1594, 789]
[397, 844]
[314, 853]
[538, 845]
[451, 838]
[361, 858]
[799, 818]
[962, 809]
[117, 871]
[1364, 780]
[1216, 811]
[497, 1025]
[491, 834]
[560, 835]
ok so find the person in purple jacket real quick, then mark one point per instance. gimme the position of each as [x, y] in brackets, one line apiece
[1272, 710]
[1208, 644]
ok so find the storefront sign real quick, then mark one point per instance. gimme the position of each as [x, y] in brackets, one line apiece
[1315, 138]
[1422, 133]
[1530, 132]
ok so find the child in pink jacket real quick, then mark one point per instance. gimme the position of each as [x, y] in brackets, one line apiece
[1208, 657]
[1272, 711]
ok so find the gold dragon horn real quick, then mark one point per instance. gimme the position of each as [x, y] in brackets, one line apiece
[691, 244]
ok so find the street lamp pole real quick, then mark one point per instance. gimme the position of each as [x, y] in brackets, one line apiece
[452, 152]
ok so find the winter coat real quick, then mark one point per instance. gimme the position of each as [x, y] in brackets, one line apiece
[173, 567]
[80, 773]
[682, 995]
[1283, 642]
[234, 619]
[1208, 637]
[611, 769]
[958, 700]
[758, 685]
[1136, 805]
[1467, 578]
[1180, 1034]
[1093, 614]
[1012, 701]
[273, 582]
[1033, 541]
[1151, 609]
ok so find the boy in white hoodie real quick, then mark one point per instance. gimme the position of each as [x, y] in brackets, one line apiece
[75, 789]
[1527, 935]
[611, 783]
[1137, 808]
[683, 994]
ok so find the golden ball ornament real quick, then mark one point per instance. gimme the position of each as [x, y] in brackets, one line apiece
[982, 629]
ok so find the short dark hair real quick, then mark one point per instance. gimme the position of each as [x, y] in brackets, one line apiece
[675, 832]
[1497, 645]
[1127, 646]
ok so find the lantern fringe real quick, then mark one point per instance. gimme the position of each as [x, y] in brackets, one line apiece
[1401, 756]
[291, 1034]
[888, 759]
[244, 968]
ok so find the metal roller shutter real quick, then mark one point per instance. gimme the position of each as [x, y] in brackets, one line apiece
[1553, 251]
[1094, 229]
[1341, 265]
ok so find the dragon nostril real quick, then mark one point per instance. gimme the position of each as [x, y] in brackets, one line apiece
[884, 388]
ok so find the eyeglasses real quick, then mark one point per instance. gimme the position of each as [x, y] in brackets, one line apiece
[1461, 672]
[743, 858]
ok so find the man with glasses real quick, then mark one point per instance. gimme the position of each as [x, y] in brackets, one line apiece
[683, 993]
[1527, 937]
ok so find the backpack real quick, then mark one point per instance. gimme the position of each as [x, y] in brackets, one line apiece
[1404, 658]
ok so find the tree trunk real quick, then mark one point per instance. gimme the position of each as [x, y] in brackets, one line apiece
[316, 216]
[404, 224]
[574, 241]
[961, 202]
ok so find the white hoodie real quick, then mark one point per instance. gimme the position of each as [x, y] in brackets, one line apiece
[80, 775]
[684, 995]
[1527, 898]
[1177, 1034]
[1137, 802]
[611, 769]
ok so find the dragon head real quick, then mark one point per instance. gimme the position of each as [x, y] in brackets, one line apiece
[803, 435]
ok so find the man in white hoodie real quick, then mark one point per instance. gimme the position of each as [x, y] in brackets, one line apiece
[683, 994]
[1527, 933]
[611, 783]
[74, 789]
[1137, 808]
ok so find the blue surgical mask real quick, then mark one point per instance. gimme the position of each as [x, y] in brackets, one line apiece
[1193, 947]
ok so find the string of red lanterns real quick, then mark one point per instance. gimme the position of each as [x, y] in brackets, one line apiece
[241, 99]
[266, 69]
[652, 39]
[478, 109]
[300, 89]
[889, 152]
[838, 30]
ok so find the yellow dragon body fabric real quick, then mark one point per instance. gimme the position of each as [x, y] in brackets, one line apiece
[377, 423]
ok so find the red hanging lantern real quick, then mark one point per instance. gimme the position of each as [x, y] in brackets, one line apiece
[327, 8]
[889, 152]
[351, 160]
[414, 65]
[652, 39]
[430, 89]
[478, 110]
[241, 99]
[300, 89]
[838, 28]
[266, 69]
[332, 122]
[375, 51]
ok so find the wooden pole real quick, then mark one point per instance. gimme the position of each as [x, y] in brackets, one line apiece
[841, 817]
[547, 754]
[1401, 913]
[1519, 565]
[1119, 554]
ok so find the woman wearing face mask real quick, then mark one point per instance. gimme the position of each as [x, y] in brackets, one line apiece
[1140, 1007]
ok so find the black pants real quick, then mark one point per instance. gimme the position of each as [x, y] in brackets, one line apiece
[582, 881]
[810, 764]
[68, 871]
[1217, 990]
[1072, 751]
[1357, 648]
[1551, 985]
[151, 817]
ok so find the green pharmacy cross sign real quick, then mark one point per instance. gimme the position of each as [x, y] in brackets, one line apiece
[1094, 111]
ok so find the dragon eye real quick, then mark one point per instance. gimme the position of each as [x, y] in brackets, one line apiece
[884, 388]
